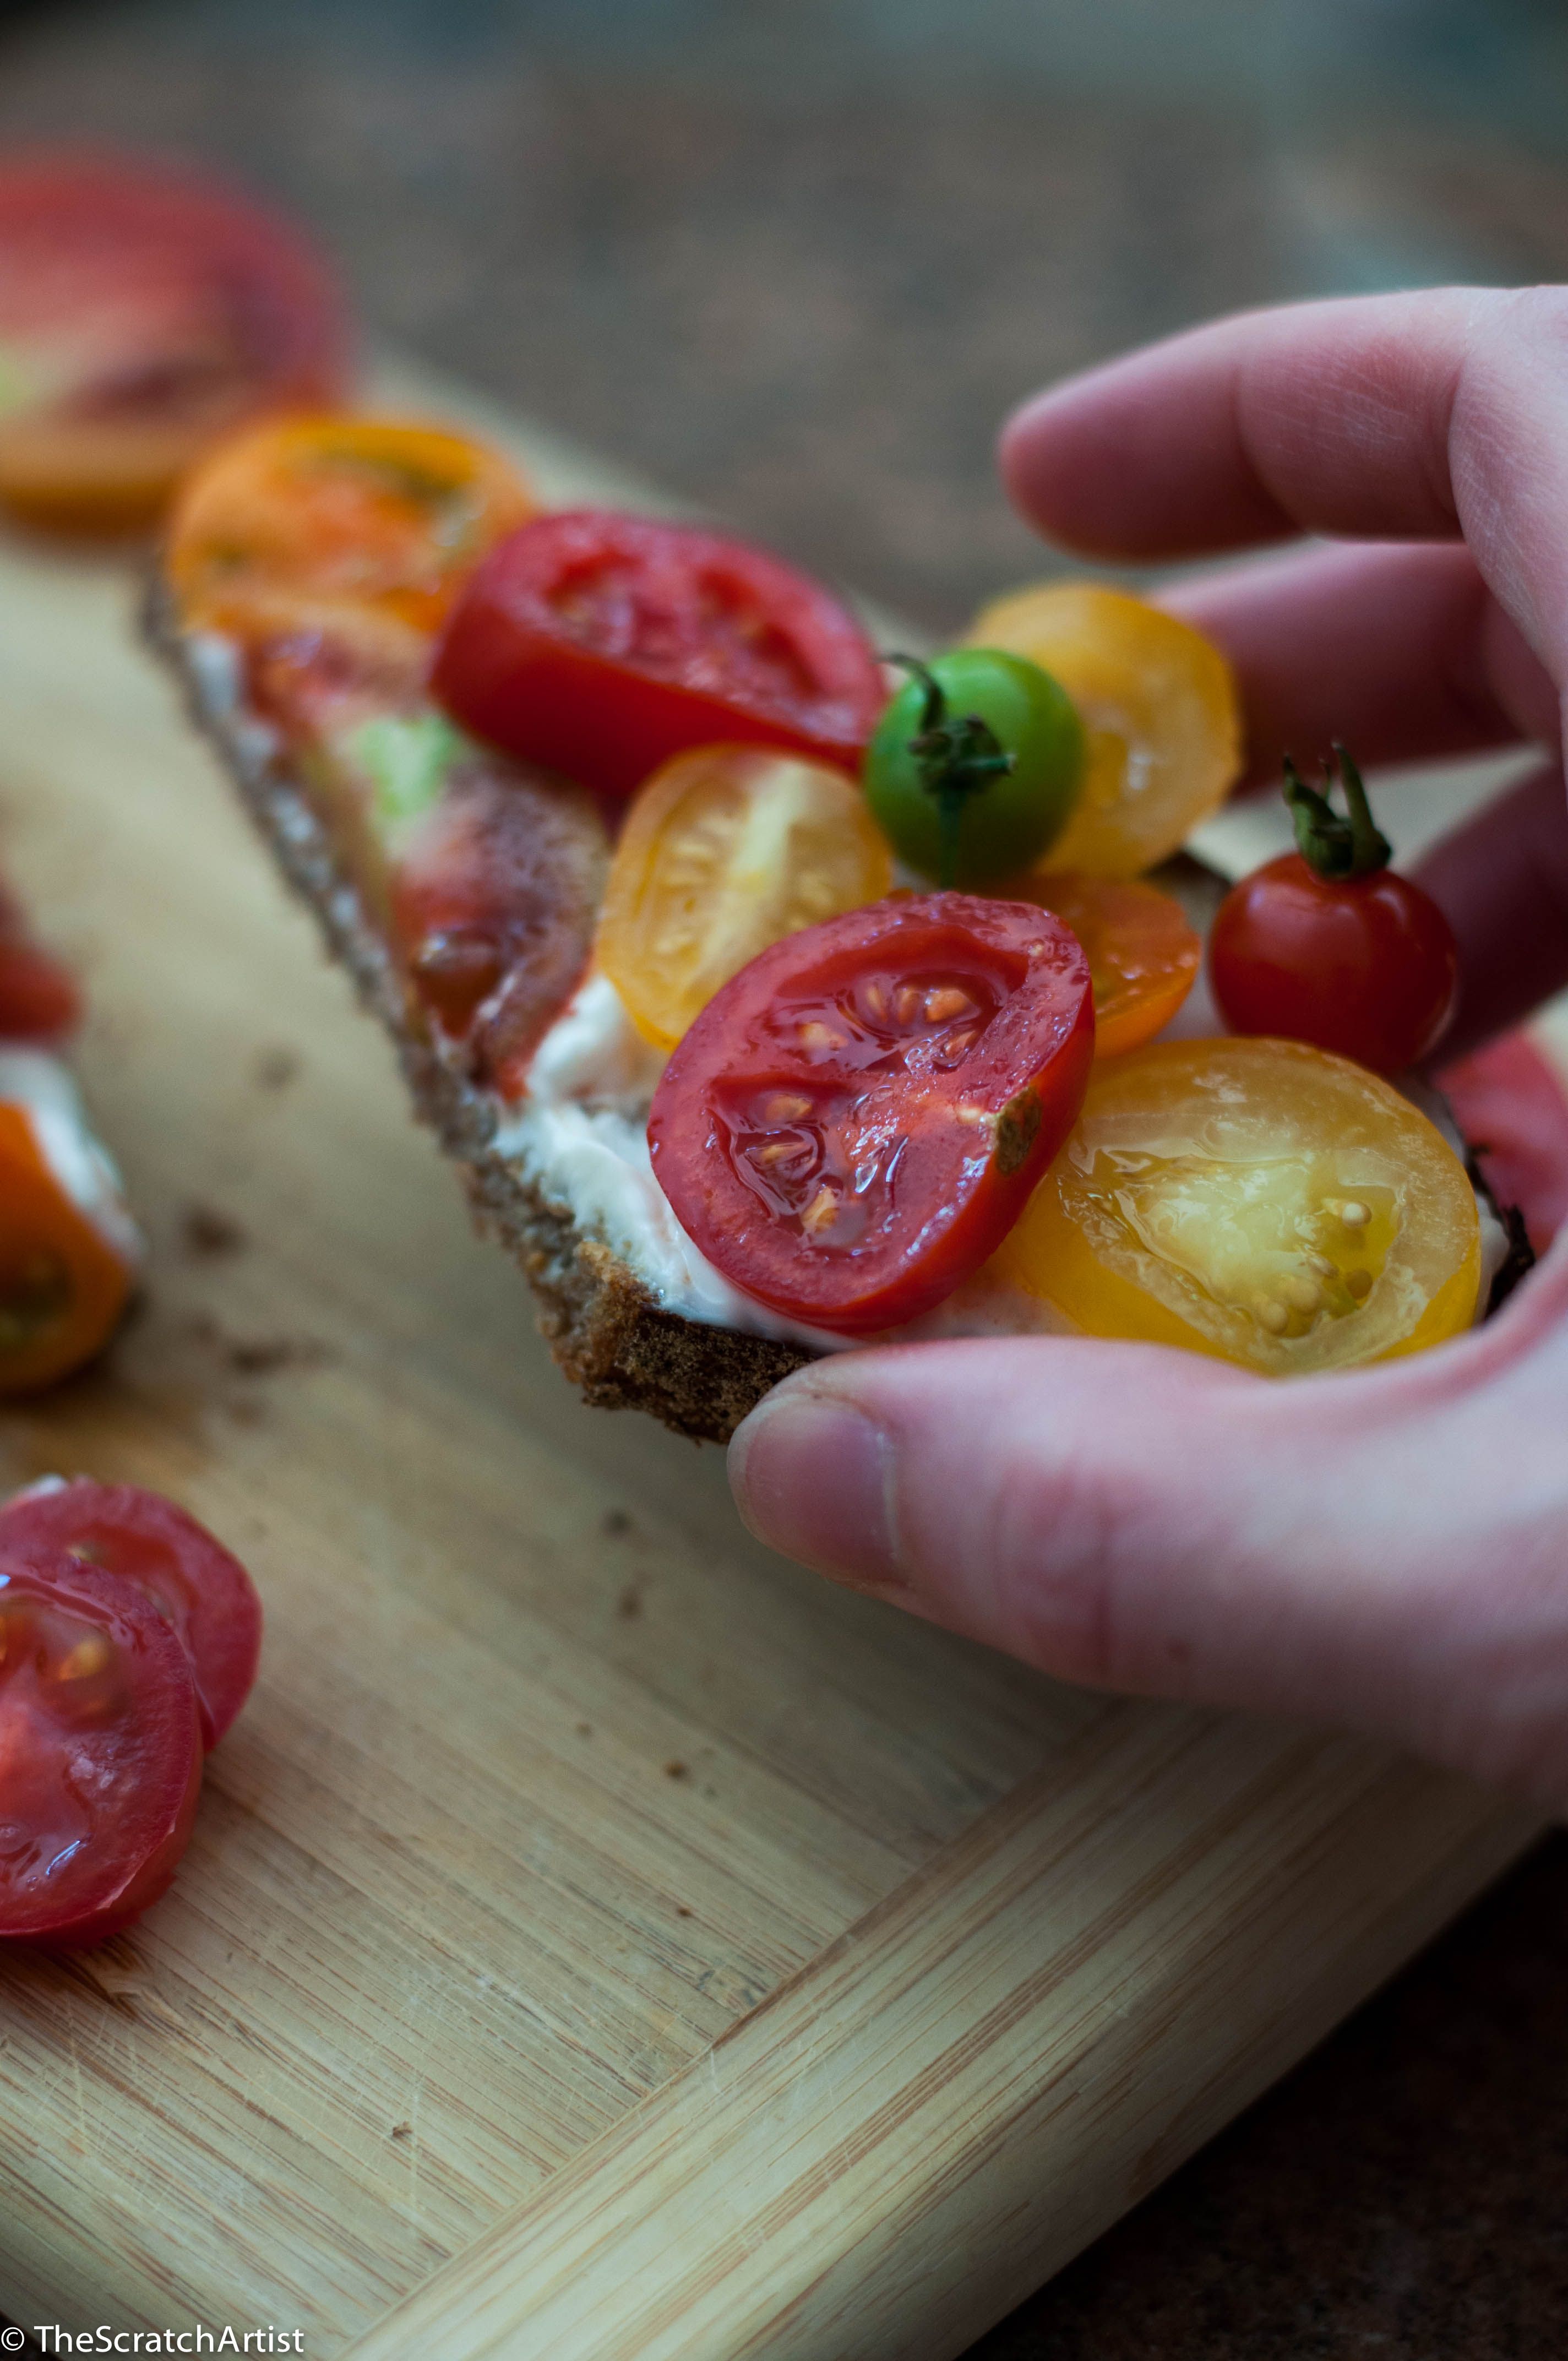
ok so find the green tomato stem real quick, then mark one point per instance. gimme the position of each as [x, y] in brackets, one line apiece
[1337, 847]
[955, 760]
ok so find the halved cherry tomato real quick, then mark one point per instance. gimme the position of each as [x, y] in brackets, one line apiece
[854, 1120]
[494, 898]
[100, 1750]
[1257, 1200]
[324, 522]
[1159, 705]
[726, 849]
[1143, 955]
[144, 313]
[602, 645]
[203, 1593]
[62, 1285]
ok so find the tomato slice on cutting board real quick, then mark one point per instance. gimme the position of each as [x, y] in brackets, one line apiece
[854, 1121]
[100, 1750]
[144, 311]
[602, 644]
[202, 1591]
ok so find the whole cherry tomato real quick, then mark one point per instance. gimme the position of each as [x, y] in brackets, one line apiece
[203, 1593]
[100, 1750]
[854, 1121]
[602, 644]
[1159, 711]
[974, 765]
[725, 851]
[1257, 1200]
[1327, 945]
[144, 313]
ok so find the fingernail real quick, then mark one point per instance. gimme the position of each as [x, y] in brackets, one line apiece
[813, 1478]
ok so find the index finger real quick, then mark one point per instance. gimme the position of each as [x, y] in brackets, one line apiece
[1433, 415]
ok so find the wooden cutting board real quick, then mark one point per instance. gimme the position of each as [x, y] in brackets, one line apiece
[600, 1938]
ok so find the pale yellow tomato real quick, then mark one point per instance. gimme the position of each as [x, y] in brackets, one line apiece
[726, 849]
[1256, 1200]
[1158, 706]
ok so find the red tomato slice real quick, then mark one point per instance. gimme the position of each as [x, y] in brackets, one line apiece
[856, 1120]
[1510, 1100]
[602, 644]
[143, 312]
[100, 1750]
[203, 1593]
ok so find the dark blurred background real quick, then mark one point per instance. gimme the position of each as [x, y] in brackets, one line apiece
[797, 258]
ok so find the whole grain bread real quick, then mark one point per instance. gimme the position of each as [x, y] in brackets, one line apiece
[605, 1330]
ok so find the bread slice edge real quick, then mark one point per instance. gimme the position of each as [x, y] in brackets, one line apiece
[605, 1328]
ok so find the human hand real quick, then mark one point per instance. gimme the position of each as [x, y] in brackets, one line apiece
[1387, 1548]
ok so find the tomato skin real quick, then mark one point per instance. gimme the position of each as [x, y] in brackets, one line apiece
[200, 1590]
[600, 645]
[854, 1121]
[107, 1764]
[1365, 966]
[155, 308]
[1143, 955]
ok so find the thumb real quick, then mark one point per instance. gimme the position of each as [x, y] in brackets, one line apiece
[1129, 1517]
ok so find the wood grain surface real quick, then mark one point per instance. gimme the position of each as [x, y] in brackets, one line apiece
[600, 1939]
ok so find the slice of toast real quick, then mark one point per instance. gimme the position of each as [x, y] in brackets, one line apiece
[605, 1328]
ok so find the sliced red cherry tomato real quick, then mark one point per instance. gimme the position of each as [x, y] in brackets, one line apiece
[1327, 945]
[203, 1593]
[602, 644]
[100, 1750]
[494, 898]
[854, 1121]
[143, 314]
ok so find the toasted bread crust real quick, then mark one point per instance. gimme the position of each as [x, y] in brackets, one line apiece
[604, 1327]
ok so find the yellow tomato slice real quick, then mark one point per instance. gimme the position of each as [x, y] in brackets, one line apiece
[1158, 706]
[309, 518]
[726, 849]
[1143, 955]
[1256, 1200]
[63, 1285]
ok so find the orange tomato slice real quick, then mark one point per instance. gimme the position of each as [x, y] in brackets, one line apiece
[1257, 1200]
[726, 851]
[1159, 711]
[63, 1285]
[317, 519]
[1143, 955]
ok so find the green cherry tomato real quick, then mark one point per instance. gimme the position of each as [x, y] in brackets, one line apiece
[974, 766]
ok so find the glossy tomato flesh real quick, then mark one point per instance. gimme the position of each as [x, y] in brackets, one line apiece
[100, 1750]
[200, 1590]
[144, 311]
[855, 1119]
[1366, 967]
[602, 644]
